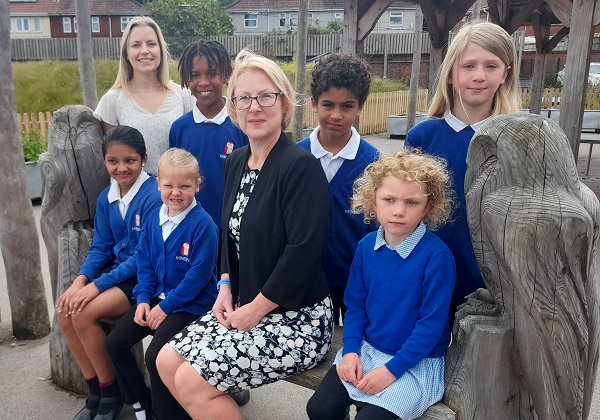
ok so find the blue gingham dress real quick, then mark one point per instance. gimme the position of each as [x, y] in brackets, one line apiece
[410, 395]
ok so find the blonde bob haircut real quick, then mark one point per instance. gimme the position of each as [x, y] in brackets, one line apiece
[247, 60]
[125, 72]
[182, 160]
[409, 166]
[494, 39]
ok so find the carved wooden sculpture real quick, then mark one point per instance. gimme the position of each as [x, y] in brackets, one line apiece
[73, 175]
[527, 347]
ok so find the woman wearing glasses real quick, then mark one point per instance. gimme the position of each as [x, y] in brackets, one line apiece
[273, 314]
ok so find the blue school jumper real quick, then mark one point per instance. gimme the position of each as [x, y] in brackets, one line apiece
[116, 238]
[184, 267]
[210, 143]
[435, 137]
[344, 229]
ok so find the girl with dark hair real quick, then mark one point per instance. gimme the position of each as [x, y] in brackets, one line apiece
[106, 280]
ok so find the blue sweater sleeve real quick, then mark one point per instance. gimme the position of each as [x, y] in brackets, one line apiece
[128, 268]
[355, 298]
[101, 252]
[147, 280]
[436, 292]
[203, 261]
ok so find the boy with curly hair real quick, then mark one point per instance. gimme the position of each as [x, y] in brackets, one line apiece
[339, 89]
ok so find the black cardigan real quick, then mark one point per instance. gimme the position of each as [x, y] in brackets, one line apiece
[282, 231]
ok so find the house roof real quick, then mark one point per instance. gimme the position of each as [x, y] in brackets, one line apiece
[67, 7]
[293, 4]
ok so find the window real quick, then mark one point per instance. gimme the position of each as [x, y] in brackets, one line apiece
[310, 19]
[37, 26]
[67, 25]
[75, 24]
[124, 21]
[396, 18]
[293, 19]
[23, 25]
[250, 21]
[282, 20]
[95, 24]
[337, 16]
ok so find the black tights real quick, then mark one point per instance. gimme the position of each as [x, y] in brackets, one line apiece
[331, 400]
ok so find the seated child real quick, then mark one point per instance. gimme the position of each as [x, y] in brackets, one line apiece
[106, 280]
[176, 283]
[339, 88]
[396, 328]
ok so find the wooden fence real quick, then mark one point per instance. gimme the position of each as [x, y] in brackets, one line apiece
[34, 122]
[373, 118]
[273, 45]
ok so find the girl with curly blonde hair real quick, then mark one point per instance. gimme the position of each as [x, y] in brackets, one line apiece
[396, 328]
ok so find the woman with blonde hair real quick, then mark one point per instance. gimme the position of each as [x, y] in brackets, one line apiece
[273, 316]
[142, 95]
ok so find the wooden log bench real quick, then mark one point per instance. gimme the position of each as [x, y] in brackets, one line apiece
[313, 377]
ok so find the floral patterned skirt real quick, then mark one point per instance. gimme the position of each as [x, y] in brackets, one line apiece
[279, 346]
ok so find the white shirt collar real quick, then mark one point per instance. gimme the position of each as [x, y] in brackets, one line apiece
[217, 119]
[163, 217]
[114, 192]
[406, 247]
[457, 125]
[348, 152]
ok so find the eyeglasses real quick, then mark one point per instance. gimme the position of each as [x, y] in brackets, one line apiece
[266, 99]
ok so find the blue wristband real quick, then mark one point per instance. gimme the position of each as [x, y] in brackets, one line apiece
[222, 282]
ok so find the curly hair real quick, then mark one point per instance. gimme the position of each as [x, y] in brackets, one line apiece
[341, 71]
[216, 55]
[410, 166]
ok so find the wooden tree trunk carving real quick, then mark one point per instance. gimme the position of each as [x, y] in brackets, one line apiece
[73, 175]
[527, 347]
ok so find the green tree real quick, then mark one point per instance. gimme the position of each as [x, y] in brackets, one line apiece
[183, 20]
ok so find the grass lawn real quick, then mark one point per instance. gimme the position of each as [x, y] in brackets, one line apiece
[49, 85]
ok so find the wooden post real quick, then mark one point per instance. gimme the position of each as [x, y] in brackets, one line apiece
[85, 52]
[577, 68]
[301, 67]
[535, 330]
[350, 33]
[541, 28]
[415, 71]
[18, 234]
[386, 51]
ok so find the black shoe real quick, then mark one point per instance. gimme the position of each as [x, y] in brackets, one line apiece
[241, 397]
[109, 408]
[89, 410]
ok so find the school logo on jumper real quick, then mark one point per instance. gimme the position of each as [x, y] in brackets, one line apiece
[185, 249]
[349, 211]
[138, 223]
[228, 148]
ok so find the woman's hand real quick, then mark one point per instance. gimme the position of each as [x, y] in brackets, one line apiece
[244, 318]
[84, 296]
[65, 301]
[141, 314]
[350, 368]
[248, 316]
[223, 305]
[376, 380]
[156, 317]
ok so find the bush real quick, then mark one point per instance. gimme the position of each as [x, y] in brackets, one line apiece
[33, 145]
